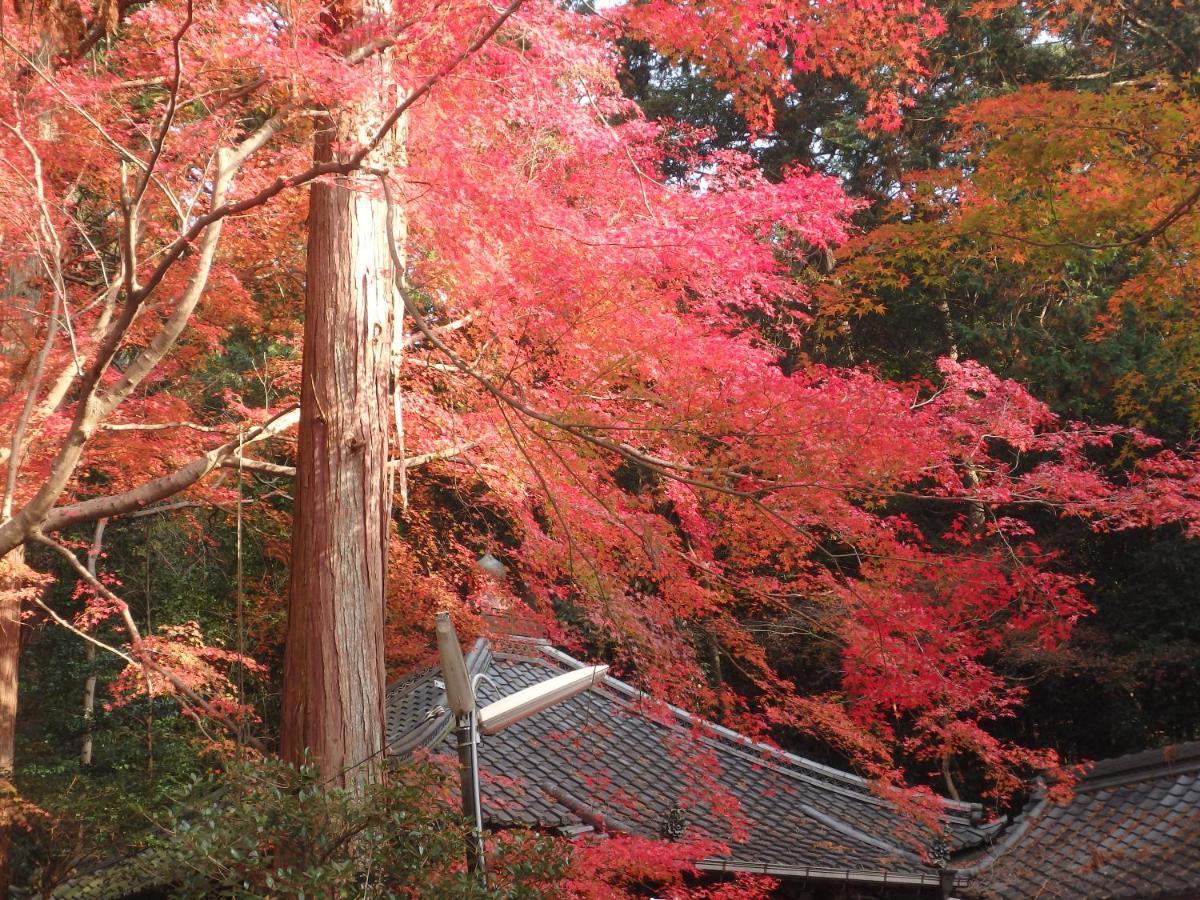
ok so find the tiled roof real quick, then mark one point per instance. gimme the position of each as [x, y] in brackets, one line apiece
[1132, 829]
[611, 759]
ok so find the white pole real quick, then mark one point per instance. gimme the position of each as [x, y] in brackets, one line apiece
[460, 697]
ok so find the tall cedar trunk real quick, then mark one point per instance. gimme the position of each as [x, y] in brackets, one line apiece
[334, 665]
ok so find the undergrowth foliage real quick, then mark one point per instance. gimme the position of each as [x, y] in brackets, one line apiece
[265, 829]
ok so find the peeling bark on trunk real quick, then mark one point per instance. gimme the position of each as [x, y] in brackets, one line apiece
[334, 664]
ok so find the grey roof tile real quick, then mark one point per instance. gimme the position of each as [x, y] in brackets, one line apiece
[1131, 830]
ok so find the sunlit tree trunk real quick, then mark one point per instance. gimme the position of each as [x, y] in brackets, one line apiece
[18, 584]
[334, 664]
[10, 654]
[19, 290]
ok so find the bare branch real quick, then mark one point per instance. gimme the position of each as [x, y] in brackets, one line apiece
[413, 340]
[167, 485]
[163, 508]
[159, 426]
[71, 371]
[258, 465]
[228, 163]
[448, 368]
[93, 406]
[16, 446]
[160, 139]
[38, 369]
[379, 44]
[449, 453]
[78, 632]
[411, 462]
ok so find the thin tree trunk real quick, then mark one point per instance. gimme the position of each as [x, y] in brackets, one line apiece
[13, 587]
[89, 686]
[19, 285]
[977, 514]
[89, 706]
[334, 665]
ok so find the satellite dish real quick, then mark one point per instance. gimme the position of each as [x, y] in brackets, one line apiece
[531, 700]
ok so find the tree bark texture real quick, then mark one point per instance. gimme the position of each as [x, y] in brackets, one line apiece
[334, 662]
[14, 586]
[21, 292]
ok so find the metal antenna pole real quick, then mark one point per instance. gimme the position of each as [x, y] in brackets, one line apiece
[460, 696]
[468, 760]
[470, 721]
